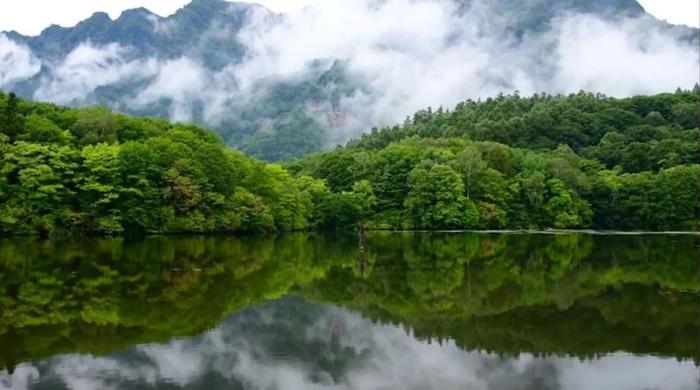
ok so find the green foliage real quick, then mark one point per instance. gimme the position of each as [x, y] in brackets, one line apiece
[456, 184]
[97, 172]
[11, 119]
[580, 161]
[640, 133]
[436, 201]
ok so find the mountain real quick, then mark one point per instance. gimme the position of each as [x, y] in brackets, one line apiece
[279, 86]
[147, 34]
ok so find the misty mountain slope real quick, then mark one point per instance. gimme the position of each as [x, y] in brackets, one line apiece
[538, 15]
[278, 86]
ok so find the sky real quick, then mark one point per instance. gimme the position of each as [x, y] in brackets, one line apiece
[29, 17]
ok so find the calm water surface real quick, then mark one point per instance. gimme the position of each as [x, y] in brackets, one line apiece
[411, 311]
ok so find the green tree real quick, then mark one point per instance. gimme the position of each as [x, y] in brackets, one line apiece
[436, 199]
[11, 121]
[563, 208]
[470, 164]
[95, 125]
[39, 129]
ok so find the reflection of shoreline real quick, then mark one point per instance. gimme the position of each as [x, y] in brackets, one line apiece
[367, 230]
[418, 281]
[548, 231]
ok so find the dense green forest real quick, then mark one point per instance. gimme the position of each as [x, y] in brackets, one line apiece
[579, 161]
[98, 172]
[503, 293]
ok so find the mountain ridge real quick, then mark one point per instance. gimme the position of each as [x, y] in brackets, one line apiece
[139, 28]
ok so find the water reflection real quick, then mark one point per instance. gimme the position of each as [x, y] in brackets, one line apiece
[292, 344]
[417, 311]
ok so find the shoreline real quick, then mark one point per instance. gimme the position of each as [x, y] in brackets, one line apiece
[590, 232]
[553, 232]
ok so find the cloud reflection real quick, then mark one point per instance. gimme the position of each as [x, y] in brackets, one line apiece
[293, 344]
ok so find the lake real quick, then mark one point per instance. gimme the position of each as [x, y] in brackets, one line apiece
[312, 311]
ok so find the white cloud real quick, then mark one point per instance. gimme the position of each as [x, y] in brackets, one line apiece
[17, 63]
[183, 81]
[418, 53]
[621, 60]
[404, 55]
[88, 67]
[22, 378]
[81, 372]
[175, 361]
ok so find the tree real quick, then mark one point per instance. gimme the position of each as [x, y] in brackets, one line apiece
[40, 185]
[11, 121]
[564, 209]
[654, 118]
[96, 125]
[364, 197]
[336, 169]
[471, 165]
[391, 174]
[436, 199]
[687, 115]
[100, 187]
[39, 129]
[340, 210]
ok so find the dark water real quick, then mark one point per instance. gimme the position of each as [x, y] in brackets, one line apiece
[429, 311]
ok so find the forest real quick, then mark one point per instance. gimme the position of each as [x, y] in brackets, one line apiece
[577, 161]
[92, 171]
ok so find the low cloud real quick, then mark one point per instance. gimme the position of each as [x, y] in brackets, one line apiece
[182, 81]
[17, 63]
[624, 59]
[414, 54]
[88, 67]
[399, 55]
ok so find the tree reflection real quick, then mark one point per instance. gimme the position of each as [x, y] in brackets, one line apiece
[569, 294]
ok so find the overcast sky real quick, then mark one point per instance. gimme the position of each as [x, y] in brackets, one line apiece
[32, 16]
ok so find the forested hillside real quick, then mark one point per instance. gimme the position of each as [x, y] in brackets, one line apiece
[578, 161]
[581, 161]
[93, 171]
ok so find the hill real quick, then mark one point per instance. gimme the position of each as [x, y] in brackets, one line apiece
[577, 161]
[92, 171]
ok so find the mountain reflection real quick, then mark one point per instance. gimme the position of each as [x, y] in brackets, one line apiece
[300, 311]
